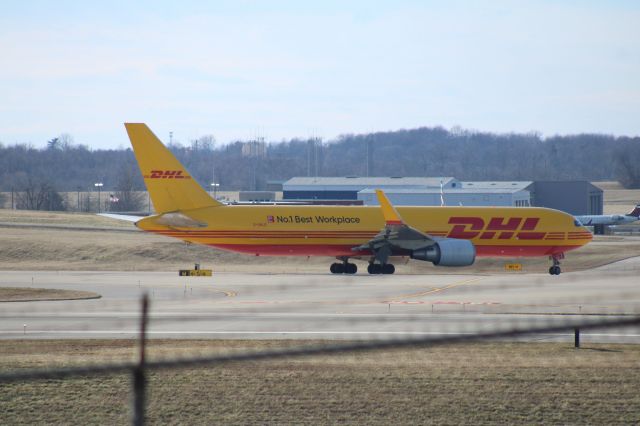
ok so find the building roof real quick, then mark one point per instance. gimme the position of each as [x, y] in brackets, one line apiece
[448, 191]
[557, 184]
[369, 181]
[496, 184]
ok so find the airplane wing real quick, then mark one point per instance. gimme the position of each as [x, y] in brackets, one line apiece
[396, 235]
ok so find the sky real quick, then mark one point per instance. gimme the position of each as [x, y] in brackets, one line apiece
[285, 69]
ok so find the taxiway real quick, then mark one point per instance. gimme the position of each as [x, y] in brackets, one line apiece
[321, 306]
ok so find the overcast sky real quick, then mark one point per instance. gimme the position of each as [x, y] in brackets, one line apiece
[289, 69]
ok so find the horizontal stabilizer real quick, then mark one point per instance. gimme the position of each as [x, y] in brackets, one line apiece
[125, 217]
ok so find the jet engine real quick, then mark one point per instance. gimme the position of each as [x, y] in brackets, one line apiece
[447, 252]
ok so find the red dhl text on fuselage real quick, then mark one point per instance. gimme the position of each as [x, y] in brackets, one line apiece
[334, 230]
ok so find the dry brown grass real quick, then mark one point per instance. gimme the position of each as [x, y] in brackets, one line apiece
[479, 383]
[60, 219]
[24, 294]
[618, 200]
[607, 185]
[71, 198]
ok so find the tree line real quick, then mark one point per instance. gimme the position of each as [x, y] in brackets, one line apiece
[37, 174]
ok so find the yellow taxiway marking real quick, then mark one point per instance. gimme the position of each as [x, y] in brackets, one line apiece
[227, 293]
[433, 290]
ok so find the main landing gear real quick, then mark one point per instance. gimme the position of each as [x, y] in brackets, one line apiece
[555, 269]
[343, 268]
[376, 268]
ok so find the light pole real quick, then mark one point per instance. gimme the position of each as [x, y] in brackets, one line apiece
[99, 186]
[215, 189]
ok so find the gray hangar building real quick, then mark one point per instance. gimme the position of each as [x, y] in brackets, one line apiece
[347, 188]
[575, 197]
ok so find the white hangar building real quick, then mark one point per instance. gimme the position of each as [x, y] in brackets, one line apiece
[506, 197]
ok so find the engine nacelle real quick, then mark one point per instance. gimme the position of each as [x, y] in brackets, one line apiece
[447, 252]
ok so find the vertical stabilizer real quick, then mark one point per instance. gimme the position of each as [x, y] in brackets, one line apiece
[169, 184]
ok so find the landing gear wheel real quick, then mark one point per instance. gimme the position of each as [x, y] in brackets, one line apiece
[374, 269]
[337, 268]
[343, 268]
[555, 269]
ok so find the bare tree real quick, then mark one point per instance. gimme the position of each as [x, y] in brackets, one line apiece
[203, 143]
[126, 198]
[207, 142]
[629, 166]
[39, 196]
[65, 140]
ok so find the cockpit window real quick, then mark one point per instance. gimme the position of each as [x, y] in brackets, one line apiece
[576, 222]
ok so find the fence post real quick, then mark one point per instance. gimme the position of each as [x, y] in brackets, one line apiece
[139, 379]
[576, 338]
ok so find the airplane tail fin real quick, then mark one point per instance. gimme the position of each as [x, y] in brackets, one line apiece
[635, 212]
[170, 186]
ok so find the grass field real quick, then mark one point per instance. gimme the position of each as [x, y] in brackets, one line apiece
[22, 294]
[60, 218]
[467, 384]
[618, 200]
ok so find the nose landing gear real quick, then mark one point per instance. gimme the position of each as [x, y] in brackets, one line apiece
[555, 269]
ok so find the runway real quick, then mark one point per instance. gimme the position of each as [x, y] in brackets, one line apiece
[323, 306]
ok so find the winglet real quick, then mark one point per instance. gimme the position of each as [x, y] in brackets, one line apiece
[391, 216]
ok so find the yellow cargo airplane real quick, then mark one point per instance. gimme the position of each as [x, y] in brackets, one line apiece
[445, 236]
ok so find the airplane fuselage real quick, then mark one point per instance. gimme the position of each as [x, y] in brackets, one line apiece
[335, 230]
[610, 219]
